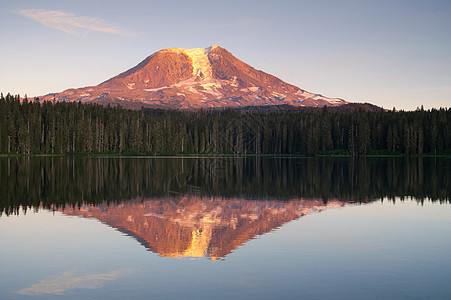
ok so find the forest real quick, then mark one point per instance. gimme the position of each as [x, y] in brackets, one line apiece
[32, 127]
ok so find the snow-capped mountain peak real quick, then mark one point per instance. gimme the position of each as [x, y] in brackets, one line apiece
[180, 78]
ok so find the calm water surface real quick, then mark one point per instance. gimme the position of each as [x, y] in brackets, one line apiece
[258, 228]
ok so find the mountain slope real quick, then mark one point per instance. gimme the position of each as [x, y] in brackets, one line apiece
[191, 79]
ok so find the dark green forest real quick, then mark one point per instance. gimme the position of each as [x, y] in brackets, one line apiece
[31, 127]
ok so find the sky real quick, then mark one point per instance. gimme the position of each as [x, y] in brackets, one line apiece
[391, 53]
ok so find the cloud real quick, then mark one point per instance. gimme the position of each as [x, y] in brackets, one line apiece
[63, 282]
[72, 24]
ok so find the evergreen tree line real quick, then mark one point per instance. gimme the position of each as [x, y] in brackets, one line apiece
[33, 127]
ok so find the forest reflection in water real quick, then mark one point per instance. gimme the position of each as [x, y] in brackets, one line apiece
[207, 207]
[256, 218]
[59, 181]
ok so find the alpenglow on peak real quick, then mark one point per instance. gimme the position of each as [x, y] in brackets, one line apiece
[200, 61]
[178, 78]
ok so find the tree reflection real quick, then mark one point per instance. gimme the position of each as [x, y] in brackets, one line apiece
[59, 181]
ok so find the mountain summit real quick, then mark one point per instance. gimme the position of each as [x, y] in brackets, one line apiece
[191, 79]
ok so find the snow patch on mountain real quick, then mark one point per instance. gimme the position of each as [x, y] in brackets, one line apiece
[334, 100]
[156, 89]
[201, 63]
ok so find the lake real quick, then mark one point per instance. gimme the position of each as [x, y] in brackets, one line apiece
[225, 228]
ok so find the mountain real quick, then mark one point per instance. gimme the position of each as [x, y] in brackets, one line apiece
[191, 79]
[192, 226]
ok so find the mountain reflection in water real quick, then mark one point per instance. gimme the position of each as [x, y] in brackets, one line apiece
[192, 226]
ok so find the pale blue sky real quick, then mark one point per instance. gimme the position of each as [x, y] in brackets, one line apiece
[392, 53]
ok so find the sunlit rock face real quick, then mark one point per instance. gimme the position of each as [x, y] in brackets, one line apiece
[199, 227]
[191, 79]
